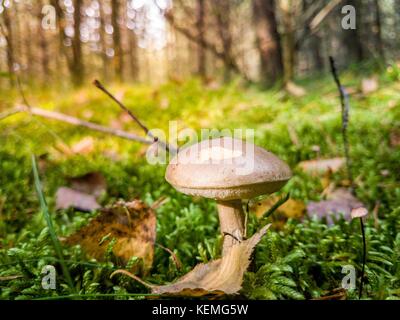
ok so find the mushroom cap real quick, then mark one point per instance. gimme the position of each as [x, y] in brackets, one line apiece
[227, 169]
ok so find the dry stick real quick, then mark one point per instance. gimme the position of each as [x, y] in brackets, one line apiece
[364, 257]
[76, 121]
[177, 262]
[146, 130]
[9, 113]
[344, 100]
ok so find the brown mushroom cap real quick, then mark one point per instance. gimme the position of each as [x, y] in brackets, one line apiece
[216, 169]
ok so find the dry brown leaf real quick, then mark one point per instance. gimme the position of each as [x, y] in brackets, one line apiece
[131, 224]
[339, 202]
[82, 193]
[92, 183]
[218, 277]
[322, 166]
[84, 146]
[70, 198]
[369, 85]
[222, 275]
[395, 138]
[292, 208]
[295, 90]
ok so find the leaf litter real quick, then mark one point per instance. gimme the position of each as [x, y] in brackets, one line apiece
[223, 276]
[129, 227]
[83, 192]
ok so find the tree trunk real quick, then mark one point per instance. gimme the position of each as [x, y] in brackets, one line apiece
[352, 37]
[103, 42]
[61, 24]
[133, 55]
[315, 43]
[268, 40]
[378, 30]
[77, 63]
[288, 42]
[201, 52]
[43, 44]
[10, 47]
[222, 11]
[118, 55]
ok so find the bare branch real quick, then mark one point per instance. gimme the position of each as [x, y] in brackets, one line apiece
[344, 101]
[163, 144]
[75, 121]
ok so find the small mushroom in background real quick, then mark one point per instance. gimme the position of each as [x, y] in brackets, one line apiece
[229, 171]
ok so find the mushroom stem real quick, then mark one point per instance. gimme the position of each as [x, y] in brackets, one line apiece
[231, 220]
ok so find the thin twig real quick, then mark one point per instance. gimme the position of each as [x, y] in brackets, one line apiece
[76, 121]
[98, 84]
[9, 113]
[131, 275]
[344, 101]
[276, 205]
[146, 130]
[178, 263]
[364, 258]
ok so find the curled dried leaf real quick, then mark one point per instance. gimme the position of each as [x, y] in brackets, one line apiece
[132, 227]
[216, 278]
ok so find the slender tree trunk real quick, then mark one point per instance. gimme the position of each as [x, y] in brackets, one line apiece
[268, 40]
[315, 43]
[62, 37]
[28, 49]
[10, 46]
[77, 64]
[352, 37]
[43, 44]
[118, 54]
[378, 30]
[103, 42]
[201, 52]
[133, 55]
[288, 41]
[222, 10]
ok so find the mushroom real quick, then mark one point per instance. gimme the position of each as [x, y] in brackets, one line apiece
[227, 170]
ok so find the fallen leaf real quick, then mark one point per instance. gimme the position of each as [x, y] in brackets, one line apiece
[131, 224]
[394, 138]
[92, 183]
[70, 198]
[216, 278]
[295, 90]
[322, 166]
[369, 85]
[43, 162]
[82, 193]
[292, 208]
[340, 202]
[84, 146]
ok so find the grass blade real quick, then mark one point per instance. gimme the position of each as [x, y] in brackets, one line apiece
[46, 214]
[276, 205]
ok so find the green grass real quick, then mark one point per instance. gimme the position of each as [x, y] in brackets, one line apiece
[289, 263]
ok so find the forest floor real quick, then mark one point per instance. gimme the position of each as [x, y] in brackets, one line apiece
[289, 262]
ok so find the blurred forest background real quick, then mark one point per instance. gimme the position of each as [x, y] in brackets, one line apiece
[153, 41]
